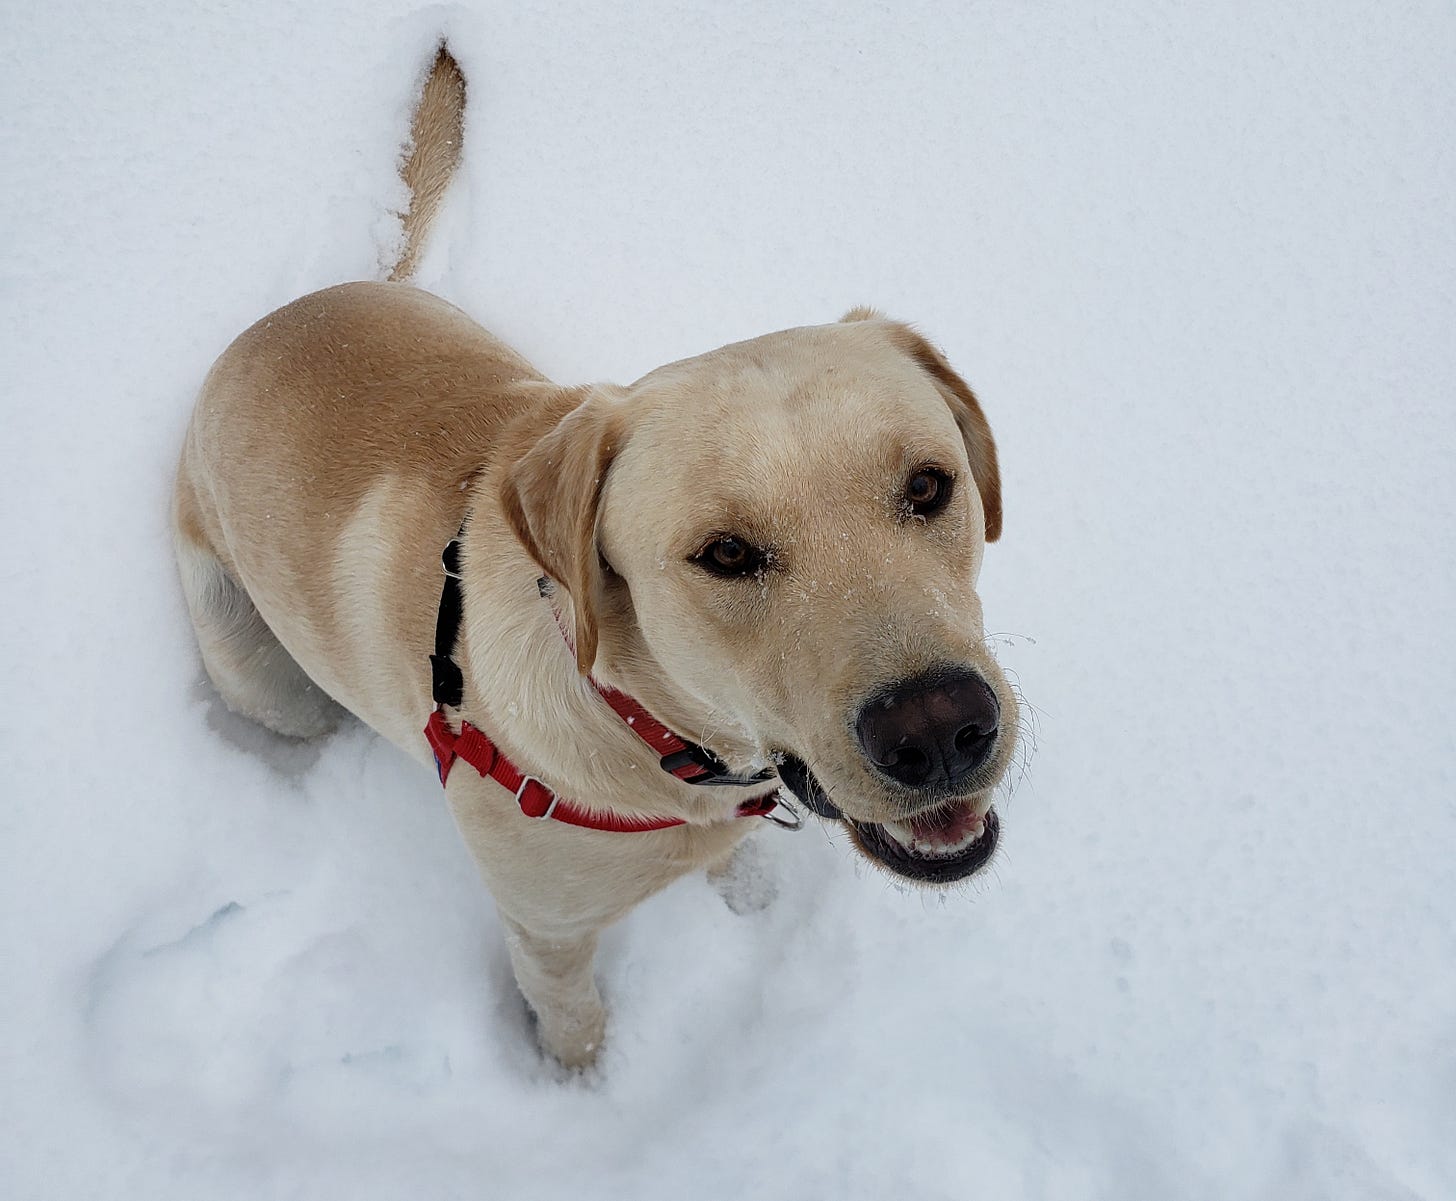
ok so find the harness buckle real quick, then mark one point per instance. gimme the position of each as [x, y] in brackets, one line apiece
[710, 769]
[450, 559]
[526, 782]
[773, 808]
[794, 820]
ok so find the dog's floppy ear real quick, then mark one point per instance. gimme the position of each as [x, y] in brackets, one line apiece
[552, 499]
[980, 446]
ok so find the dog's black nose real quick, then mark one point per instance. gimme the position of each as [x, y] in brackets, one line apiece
[933, 730]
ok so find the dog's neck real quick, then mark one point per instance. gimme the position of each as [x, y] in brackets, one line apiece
[522, 685]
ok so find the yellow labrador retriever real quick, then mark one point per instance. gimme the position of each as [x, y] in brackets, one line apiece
[753, 566]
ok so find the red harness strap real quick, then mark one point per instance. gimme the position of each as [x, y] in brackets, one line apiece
[687, 762]
[675, 755]
[691, 764]
[534, 798]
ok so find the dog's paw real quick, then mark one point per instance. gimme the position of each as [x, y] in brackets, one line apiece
[745, 880]
[574, 1045]
[572, 1038]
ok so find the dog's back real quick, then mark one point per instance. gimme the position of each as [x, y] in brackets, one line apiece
[364, 396]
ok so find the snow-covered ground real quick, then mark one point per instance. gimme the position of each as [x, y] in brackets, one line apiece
[1199, 260]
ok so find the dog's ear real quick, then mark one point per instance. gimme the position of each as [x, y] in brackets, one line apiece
[980, 446]
[552, 499]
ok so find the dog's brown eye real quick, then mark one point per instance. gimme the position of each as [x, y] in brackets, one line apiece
[926, 491]
[730, 557]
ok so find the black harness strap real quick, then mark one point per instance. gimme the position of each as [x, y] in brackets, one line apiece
[447, 681]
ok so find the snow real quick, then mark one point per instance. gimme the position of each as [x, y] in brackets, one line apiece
[1198, 261]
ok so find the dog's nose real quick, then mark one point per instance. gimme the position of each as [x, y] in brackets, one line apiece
[932, 730]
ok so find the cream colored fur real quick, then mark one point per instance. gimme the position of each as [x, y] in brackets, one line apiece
[338, 444]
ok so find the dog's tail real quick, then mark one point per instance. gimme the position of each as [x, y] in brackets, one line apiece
[437, 134]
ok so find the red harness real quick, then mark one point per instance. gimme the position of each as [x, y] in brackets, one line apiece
[688, 762]
[534, 798]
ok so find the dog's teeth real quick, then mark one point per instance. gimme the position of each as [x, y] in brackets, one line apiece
[906, 836]
[900, 832]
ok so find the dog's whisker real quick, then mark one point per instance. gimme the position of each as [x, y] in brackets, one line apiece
[1006, 638]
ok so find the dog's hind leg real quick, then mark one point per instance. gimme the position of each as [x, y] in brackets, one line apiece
[249, 667]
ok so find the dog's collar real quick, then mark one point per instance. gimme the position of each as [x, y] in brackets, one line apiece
[685, 760]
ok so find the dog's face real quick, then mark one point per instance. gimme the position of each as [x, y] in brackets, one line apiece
[783, 537]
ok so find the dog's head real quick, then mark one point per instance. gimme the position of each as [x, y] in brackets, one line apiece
[775, 547]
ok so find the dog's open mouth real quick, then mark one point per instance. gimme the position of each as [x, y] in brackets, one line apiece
[940, 846]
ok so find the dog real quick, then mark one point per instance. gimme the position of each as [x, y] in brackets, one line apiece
[658, 603]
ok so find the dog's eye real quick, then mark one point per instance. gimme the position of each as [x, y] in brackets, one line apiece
[730, 557]
[927, 491]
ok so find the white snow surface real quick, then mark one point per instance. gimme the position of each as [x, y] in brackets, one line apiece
[1199, 262]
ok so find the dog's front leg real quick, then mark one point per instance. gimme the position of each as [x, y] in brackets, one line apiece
[555, 977]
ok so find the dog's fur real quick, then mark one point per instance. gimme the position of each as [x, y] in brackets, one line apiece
[338, 444]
